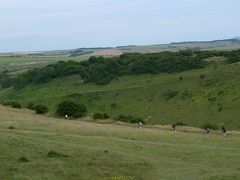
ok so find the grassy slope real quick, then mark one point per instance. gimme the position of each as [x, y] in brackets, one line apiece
[141, 96]
[111, 151]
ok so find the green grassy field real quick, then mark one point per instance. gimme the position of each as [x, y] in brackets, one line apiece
[209, 95]
[91, 150]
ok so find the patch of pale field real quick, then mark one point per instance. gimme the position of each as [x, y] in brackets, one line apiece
[108, 53]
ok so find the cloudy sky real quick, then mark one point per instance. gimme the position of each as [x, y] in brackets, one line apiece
[60, 24]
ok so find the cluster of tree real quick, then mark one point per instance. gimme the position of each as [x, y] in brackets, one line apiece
[71, 109]
[100, 70]
[232, 56]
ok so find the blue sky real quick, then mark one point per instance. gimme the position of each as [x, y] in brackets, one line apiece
[63, 24]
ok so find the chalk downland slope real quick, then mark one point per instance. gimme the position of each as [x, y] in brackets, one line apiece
[195, 97]
[38, 147]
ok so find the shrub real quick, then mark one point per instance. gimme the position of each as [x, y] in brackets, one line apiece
[11, 127]
[16, 104]
[180, 124]
[212, 99]
[5, 103]
[114, 106]
[54, 154]
[100, 116]
[202, 76]
[123, 118]
[23, 159]
[31, 106]
[210, 126]
[71, 108]
[220, 108]
[170, 94]
[129, 119]
[136, 121]
[41, 109]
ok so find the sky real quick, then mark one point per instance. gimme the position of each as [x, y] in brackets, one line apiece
[27, 25]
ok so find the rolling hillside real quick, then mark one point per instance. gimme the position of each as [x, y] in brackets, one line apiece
[195, 97]
[38, 147]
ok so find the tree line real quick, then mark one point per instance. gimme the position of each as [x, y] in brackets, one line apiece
[100, 70]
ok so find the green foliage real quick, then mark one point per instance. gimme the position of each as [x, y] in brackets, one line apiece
[71, 108]
[129, 119]
[170, 94]
[101, 70]
[212, 99]
[12, 104]
[54, 154]
[23, 159]
[114, 106]
[11, 127]
[16, 104]
[5, 80]
[180, 124]
[136, 120]
[41, 109]
[100, 116]
[74, 96]
[233, 56]
[202, 76]
[141, 96]
[31, 106]
[210, 126]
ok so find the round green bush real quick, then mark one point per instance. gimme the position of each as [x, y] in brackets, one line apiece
[16, 104]
[71, 108]
[41, 109]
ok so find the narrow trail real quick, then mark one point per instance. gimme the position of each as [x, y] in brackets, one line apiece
[27, 134]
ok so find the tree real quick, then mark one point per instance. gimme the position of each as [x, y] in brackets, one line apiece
[71, 108]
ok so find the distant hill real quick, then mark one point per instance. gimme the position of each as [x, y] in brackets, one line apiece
[237, 38]
[226, 44]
